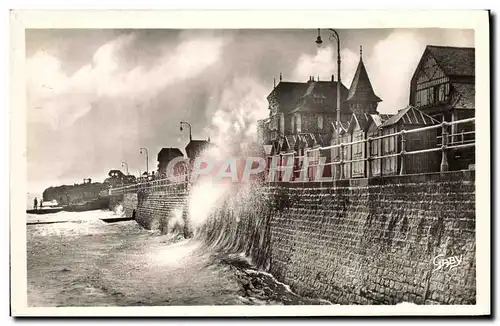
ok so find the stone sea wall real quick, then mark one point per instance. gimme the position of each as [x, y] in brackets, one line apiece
[163, 208]
[365, 241]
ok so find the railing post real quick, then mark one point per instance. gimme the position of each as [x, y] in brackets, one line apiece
[462, 136]
[444, 152]
[368, 173]
[341, 165]
[403, 152]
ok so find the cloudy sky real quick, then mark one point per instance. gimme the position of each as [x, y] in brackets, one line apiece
[95, 97]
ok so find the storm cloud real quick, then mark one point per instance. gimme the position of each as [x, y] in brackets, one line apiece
[96, 96]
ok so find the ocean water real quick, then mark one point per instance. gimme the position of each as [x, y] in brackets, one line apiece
[83, 261]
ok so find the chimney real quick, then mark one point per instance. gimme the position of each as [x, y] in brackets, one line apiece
[274, 83]
[333, 78]
[281, 77]
[318, 77]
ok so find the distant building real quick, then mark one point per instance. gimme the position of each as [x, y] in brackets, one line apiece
[117, 179]
[165, 155]
[117, 174]
[300, 114]
[197, 147]
[302, 118]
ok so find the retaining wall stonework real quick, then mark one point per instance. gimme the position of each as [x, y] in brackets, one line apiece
[358, 241]
[163, 208]
[129, 204]
[365, 241]
[128, 201]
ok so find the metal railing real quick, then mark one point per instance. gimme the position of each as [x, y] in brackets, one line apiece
[152, 184]
[444, 142]
[457, 140]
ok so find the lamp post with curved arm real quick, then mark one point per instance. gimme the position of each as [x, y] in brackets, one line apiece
[187, 123]
[147, 159]
[334, 35]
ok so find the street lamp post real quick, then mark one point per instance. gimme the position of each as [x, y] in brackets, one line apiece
[147, 159]
[187, 123]
[319, 41]
[126, 166]
[334, 35]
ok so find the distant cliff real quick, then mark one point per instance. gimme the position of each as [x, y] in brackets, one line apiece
[75, 194]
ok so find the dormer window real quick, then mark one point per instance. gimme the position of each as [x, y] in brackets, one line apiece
[298, 122]
[320, 121]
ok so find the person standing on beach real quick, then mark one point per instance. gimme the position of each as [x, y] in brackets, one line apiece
[35, 203]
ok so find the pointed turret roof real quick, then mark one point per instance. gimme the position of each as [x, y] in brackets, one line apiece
[361, 87]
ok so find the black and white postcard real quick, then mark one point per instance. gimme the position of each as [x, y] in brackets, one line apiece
[258, 163]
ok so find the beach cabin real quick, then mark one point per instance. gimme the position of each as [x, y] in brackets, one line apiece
[407, 119]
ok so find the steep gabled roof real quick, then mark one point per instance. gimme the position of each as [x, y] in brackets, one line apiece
[410, 116]
[361, 87]
[287, 94]
[306, 140]
[169, 152]
[379, 119]
[455, 61]
[362, 120]
[340, 128]
[321, 96]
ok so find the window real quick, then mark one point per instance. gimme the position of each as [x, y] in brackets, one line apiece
[441, 93]
[374, 147]
[293, 123]
[423, 97]
[282, 123]
[358, 148]
[345, 155]
[320, 121]
[298, 122]
[389, 143]
[274, 109]
[431, 95]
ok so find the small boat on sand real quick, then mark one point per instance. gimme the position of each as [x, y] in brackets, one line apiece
[45, 210]
[117, 219]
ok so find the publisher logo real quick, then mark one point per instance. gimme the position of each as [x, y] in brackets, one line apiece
[446, 263]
